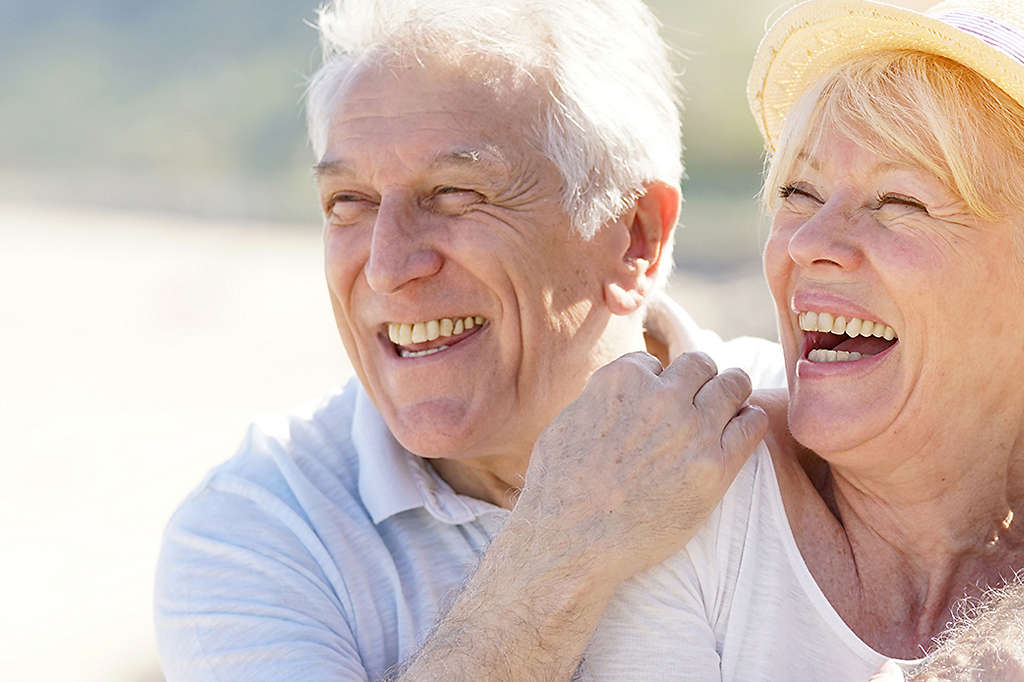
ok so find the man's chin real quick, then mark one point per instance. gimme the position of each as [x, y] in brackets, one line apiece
[441, 428]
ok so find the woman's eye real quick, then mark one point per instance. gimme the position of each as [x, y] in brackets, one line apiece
[795, 192]
[892, 199]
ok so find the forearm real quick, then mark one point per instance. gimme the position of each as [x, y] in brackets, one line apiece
[618, 482]
[524, 615]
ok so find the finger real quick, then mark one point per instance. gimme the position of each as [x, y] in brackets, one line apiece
[889, 672]
[722, 396]
[689, 372]
[741, 435]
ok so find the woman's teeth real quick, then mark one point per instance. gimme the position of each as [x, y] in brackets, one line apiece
[406, 333]
[823, 355]
[837, 324]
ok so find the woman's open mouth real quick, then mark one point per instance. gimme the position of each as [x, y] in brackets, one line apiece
[835, 338]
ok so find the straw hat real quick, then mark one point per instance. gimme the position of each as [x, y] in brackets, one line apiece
[814, 37]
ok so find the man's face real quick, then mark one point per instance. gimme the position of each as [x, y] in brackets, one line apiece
[469, 308]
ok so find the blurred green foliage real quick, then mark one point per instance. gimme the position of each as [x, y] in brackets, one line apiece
[195, 106]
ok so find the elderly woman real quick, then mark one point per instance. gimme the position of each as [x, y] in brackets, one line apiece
[896, 262]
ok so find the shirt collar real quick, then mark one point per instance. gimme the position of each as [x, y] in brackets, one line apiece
[393, 480]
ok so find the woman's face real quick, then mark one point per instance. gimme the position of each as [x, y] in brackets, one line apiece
[922, 296]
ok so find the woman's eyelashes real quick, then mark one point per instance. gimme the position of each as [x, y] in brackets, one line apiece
[895, 199]
[882, 199]
[798, 192]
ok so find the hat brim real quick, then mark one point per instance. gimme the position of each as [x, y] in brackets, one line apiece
[812, 39]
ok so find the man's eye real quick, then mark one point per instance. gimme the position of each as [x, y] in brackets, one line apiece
[447, 199]
[345, 206]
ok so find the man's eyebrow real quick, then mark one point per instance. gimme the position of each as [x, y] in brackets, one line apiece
[458, 157]
[469, 157]
[335, 167]
[461, 157]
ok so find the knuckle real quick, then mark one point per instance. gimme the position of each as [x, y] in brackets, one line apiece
[699, 362]
[631, 363]
[736, 382]
[629, 370]
[613, 369]
[746, 427]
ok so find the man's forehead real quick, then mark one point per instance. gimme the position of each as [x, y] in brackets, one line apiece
[459, 86]
[425, 118]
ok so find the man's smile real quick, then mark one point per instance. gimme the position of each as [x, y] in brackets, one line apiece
[417, 339]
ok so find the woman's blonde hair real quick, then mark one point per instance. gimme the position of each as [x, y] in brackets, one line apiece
[920, 108]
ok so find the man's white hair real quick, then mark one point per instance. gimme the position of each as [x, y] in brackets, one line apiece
[611, 119]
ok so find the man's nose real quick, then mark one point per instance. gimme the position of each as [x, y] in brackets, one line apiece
[400, 251]
[827, 241]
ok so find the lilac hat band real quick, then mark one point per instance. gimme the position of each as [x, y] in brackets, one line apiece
[1002, 37]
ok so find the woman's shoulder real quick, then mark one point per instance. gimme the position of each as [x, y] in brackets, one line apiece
[749, 508]
[799, 472]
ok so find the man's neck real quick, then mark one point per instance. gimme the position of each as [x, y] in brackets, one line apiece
[493, 479]
[498, 479]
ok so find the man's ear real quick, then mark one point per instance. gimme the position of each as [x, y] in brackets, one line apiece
[648, 227]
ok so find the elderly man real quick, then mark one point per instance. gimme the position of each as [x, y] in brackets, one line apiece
[499, 190]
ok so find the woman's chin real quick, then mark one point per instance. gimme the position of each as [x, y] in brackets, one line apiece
[831, 425]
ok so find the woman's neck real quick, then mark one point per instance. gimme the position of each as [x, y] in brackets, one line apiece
[932, 503]
[894, 548]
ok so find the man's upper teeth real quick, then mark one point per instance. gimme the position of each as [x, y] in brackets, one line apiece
[838, 324]
[406, 333]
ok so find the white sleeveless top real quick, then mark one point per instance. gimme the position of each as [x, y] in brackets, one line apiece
[737, 604]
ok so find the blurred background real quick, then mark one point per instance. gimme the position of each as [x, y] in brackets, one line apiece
[159, 258]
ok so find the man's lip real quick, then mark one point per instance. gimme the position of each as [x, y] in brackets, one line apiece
[449, 342]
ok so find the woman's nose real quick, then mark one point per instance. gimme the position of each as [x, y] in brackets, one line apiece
[826, 241]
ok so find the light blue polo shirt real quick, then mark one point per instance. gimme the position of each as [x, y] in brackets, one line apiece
[323, 550]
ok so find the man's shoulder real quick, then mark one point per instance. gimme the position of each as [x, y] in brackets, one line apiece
[284, 465]
[315, 438]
